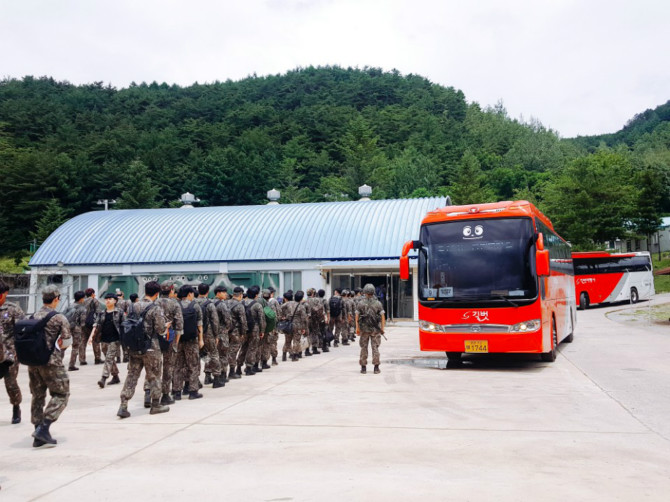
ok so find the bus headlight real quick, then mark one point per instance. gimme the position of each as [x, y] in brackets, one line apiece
[431, 326]
[526, 326]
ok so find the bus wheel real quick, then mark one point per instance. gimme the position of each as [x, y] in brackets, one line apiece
[550, 357]
[634, 297]
[583, 301]
[454, 356]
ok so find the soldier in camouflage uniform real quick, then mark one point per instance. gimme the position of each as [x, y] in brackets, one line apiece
[288, 307]
[92, 307]
[225, 325]
[317, 317]
[175, 324]
[108, 326]
[249, 350]
[300, 322]
[238, 330]
[10, 313]
[351, 316]
[76, 314]
[370, 323]
[212, 334]
[188, 345]
[324, 325]
[358, 296]
[51, 376]
[124, 306]
[273, 337]
[154, 326]
[264, 348]
[338, 322]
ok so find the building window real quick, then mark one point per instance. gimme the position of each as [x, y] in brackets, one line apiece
[292, 280]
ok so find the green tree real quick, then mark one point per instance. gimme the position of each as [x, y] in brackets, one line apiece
[469, 186]
[52, 217]
[138, 191]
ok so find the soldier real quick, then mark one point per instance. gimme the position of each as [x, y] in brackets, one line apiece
[10, 312]
[76, 314]
[300, 321]
[326, 321]
[51, 376]
[370, 323]
[154, 326]
[225, 325]
[317, 317]
[350, 307]
[175, 322]
[188, 344]
[92, 307]
[338, 323]
[124, 306]
[108, 325]
[212, 334]
[255, 329]
[358, 296]
[273, 337]
[288, 310]
[238, 330]
[264, 349]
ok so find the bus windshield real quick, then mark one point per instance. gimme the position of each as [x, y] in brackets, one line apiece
[481, 259]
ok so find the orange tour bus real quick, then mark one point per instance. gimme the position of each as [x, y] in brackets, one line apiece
[492, 278]
[602, 277]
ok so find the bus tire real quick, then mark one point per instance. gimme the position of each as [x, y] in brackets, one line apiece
[583, 301]
[634, 296]
[550, 357]
[454, 356]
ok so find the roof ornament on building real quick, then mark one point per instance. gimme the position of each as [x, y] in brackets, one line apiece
[187, 199]
[365, 191]
[274, 196]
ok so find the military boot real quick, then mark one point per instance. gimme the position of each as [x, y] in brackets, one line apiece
[194, 395]
[218, 381]
[345, 342]
[157, 407]
[42, 433]
[166, 399]
[238, 371]
[283, 357]
[248, 371]
[123, 411]
[176, 395]
[233, 374]
[208, 378]
[16, 414]
[364, 370]
[265, 365]
[325, 348]
[101, 382]
[274, 361]
[307, 352]
[115, 379]
[257, 368]
[315, 350]
[377, 370]
[147, 399]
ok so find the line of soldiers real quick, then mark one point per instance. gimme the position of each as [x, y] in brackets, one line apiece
[234, 335]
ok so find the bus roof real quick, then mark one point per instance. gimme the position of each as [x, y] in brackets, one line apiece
[503, 209]
[604, 254]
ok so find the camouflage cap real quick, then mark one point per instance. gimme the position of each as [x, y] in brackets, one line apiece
[368, 289]
[166, 286]
[266, 293]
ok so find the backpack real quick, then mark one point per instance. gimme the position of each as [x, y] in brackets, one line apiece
[90, 315]
[251, 324]
[70, 315]
[190, 322]
[30, 340]
[335, 304]
[205, 315]
[133, 336]
[317, 310]
[270, 319]
[368, 319]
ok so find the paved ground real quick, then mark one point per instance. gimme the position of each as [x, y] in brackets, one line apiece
[591, 426]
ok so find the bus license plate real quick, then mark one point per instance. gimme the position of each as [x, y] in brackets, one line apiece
[481, 346]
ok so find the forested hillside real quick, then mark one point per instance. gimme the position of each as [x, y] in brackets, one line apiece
[315, 134]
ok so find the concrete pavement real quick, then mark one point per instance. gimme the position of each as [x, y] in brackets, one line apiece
[591, 426]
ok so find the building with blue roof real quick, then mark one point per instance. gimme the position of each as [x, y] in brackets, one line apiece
[288, 246]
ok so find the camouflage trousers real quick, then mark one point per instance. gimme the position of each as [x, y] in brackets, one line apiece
[263, 348]
[288, 344]
[375, 340]
[270, 346]
[151, 362]
[297, 340]
[187, 366]
[213, 364]
[223, 349]
[12, 385]
[112, 351]
[76, 347]
[169, 360]
[235, 343]
[315, 337]
[248, 349]
[97, 346]
[51, 377]
[340, 328]
[85, 335]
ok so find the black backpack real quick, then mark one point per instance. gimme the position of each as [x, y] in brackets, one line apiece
[90, 314]
[30, 340]
[205, 316]
[133, 336]
[190, 322]
[335, 304]
[251, 323]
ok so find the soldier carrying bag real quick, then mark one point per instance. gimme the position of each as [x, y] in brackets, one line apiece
[285, 326]
[30, 340]
[133, 336]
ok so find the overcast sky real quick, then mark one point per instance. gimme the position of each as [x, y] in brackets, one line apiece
[578, 66]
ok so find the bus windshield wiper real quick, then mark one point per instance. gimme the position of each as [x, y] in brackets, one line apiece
[502, 297]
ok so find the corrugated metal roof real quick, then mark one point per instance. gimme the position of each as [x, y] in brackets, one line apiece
[327, 230]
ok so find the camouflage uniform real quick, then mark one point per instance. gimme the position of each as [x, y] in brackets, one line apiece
[350, 311]
[223, 339]
[370, 311]
[187, 366]
[111, 346]
[300, 322]
[249, 349]
[287, 314]
[211, 336]
[316, 319]
[273, 337]
[154, 325]
[238, 331]
[91, 304]
[10, 313]
[77, 325]
[172, 312]
[338, 323]
[51, 376]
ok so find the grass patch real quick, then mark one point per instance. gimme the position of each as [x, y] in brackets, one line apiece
[8, 265]
[661, 282]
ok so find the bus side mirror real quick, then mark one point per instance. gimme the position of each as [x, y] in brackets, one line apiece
[539, 244]
[542, 262]
[404, 268]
